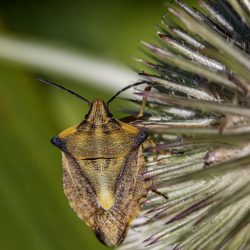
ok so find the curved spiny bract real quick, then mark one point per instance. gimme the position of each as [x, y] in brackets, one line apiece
[198, 115]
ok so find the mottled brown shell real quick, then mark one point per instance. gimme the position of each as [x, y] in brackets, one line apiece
[102, 172]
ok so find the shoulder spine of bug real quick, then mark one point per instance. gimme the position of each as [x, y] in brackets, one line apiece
[102, 170]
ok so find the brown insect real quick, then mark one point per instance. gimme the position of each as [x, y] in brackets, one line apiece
[102, 170]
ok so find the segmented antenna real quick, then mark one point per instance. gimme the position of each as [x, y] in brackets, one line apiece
[62, 88]
[122, 90]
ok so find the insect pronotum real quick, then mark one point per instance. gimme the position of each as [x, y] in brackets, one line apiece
[102, 170]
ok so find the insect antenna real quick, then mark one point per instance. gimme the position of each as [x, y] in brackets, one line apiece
[127, 87]
[62, 88]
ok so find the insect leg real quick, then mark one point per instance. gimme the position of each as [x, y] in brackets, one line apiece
[159, 193]
[133, 118]
[149, 143]
[144, 102]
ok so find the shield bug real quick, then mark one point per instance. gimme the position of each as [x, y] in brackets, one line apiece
[102, 169]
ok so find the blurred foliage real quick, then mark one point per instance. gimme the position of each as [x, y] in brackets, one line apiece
[34, 211]
[111, 28]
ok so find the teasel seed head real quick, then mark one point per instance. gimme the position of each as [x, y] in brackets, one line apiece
[198, 115]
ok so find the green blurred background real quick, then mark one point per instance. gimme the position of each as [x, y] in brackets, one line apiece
[34, 212]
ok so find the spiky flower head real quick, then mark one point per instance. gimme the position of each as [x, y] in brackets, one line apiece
[199, 121]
